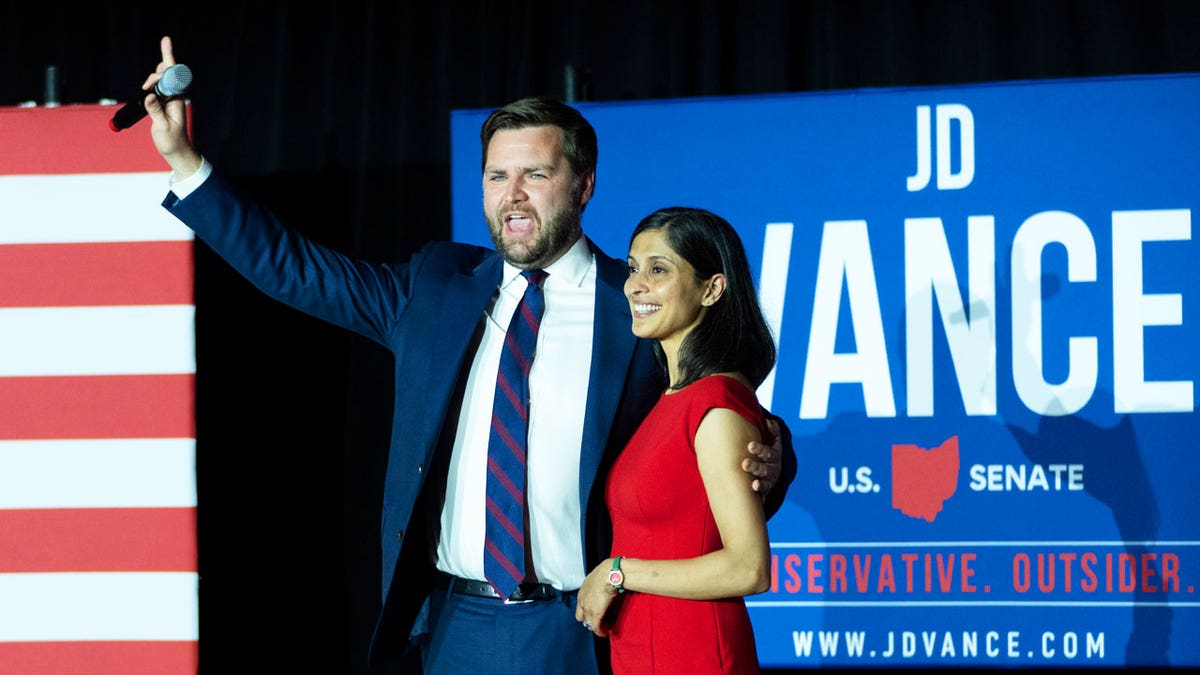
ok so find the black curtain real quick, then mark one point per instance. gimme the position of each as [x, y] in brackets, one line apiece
[337, 116]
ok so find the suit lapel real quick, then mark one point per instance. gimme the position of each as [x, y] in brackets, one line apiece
[462, 308]
[612, 350]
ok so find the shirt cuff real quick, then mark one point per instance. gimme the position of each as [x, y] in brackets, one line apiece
[188, 185]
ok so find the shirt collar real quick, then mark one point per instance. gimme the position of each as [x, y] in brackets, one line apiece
[571, 268]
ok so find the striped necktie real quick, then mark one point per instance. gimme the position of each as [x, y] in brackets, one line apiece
[504, 558]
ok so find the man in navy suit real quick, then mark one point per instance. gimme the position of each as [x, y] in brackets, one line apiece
[444, 315]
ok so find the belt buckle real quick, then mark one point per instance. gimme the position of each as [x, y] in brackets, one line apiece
[520, 597]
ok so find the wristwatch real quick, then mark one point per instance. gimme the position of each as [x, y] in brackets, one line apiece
[616, 577]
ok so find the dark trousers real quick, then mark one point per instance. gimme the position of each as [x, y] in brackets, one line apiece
[471, 635]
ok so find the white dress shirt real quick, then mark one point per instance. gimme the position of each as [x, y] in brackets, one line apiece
[558, 383]
[187, 186]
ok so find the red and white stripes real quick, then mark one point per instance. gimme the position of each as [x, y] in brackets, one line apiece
[97, 425]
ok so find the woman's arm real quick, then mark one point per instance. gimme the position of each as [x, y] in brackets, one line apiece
[740, 567]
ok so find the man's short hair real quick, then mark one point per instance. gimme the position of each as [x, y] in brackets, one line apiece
[578, 136]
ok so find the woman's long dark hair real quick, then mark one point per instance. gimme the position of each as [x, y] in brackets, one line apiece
[733, 335]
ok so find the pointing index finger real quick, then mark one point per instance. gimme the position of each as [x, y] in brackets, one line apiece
[168, 52]
[168, 60]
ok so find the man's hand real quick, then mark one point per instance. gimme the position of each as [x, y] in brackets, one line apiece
[168, 122]
[765, 460]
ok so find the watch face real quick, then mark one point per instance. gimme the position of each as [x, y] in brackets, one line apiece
[615, 577]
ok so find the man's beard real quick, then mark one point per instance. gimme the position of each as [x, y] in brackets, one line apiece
[555, 235]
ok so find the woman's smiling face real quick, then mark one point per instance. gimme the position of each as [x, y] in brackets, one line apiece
[665, 297]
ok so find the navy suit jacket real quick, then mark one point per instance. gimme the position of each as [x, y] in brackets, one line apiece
[426, 312]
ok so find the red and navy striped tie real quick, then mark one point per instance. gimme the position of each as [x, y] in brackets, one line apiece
[504, 547]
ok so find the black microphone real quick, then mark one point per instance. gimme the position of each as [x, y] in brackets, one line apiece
[174, 82]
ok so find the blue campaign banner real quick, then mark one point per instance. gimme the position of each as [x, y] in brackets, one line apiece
[985, 300]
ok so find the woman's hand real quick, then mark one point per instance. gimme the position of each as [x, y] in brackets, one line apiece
[596, 596]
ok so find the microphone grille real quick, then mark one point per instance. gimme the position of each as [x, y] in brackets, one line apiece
[175, 81]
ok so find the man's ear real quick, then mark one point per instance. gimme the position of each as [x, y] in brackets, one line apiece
[587, 185]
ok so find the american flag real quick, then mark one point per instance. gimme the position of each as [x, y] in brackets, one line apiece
[97, 377]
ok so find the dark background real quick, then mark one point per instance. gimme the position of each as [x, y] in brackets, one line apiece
[337, 116]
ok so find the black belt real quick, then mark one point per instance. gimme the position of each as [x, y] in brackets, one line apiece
[482, 589]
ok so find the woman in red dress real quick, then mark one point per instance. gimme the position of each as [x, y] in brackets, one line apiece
[687, 549]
